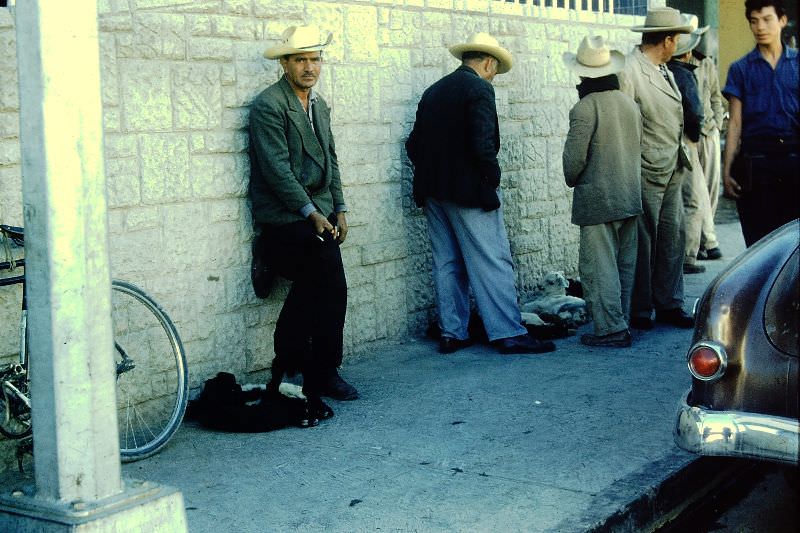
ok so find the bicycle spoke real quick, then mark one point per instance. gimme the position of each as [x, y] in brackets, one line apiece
[151, 372]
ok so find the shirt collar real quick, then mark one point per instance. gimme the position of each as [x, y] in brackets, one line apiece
[788, 53]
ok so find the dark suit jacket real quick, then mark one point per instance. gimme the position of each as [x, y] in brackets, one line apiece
[455, 140]
[692, 107]
[290, 165]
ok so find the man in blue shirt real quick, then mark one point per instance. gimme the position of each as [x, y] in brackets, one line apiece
[761, 173]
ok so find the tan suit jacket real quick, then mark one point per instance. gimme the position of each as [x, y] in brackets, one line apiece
[710, 95]
[659, 101]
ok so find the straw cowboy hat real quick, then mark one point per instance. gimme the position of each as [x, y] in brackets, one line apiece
[665, 19]
[299, 40]
[483, 42]
[594, 59]
[688, 41]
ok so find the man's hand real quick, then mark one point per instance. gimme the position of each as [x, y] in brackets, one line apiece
[321, 224]
[732, 187]
[341, 223]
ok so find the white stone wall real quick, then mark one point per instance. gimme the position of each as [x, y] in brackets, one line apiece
[177, 79]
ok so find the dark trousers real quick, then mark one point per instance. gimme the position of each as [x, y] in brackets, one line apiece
[310, 328]
[772, 198]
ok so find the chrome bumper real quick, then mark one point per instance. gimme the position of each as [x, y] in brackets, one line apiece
[737, 434]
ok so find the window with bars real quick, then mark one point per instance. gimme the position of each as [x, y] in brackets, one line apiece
[622, 7]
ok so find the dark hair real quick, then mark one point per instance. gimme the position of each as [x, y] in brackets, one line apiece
[758, 5]
[473, 55]
[656, 37]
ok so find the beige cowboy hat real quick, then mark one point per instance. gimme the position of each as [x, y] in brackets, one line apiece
[664, 19]
[299, 40]
[483, 42]
[594, 59]
[689, 41]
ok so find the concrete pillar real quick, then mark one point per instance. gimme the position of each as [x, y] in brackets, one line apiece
[68, 277]
[76, 446]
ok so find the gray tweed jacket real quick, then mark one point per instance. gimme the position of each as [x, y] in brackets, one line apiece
[602, 158]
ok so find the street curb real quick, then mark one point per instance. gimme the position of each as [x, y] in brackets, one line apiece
[656, 507]
[655, 495]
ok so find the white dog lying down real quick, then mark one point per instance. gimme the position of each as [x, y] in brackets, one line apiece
[551, 304]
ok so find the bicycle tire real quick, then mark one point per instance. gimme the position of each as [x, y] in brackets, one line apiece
[152, 392]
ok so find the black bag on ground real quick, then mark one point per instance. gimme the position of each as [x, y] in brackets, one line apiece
[224, 406]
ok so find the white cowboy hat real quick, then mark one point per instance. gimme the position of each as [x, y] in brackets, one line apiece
[664, 19]
[688, 41]
[594, 59]
[483, 42]
[299, 40]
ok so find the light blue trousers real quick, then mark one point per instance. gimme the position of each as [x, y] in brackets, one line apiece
[470, 249]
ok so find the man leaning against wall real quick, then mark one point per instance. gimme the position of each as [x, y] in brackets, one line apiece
[298, 206]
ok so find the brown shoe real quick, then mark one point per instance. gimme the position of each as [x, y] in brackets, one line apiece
[620, 339]
[337, 388]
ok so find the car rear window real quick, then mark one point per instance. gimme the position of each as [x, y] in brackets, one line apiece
[782, 311]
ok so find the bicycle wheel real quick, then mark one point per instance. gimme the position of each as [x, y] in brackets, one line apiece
[151, 372]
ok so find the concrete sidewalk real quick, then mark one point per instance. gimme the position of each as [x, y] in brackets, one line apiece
[474, 441]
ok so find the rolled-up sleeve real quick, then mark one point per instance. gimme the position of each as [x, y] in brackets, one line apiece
[735, 83]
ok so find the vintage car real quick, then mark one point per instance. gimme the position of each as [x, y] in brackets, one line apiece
[744, 357]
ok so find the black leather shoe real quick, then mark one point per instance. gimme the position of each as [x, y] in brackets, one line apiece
[451, 344]
[523, 344]
[337, 388]
[714, 253]
[319, 409]
[675, 317]
[641, 322]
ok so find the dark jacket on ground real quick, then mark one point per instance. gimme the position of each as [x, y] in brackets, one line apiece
[455, 141]
[692, 107]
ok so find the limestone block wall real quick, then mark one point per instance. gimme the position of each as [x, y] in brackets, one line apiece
[177, 78]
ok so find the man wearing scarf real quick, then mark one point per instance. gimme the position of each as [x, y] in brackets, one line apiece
[602, 161]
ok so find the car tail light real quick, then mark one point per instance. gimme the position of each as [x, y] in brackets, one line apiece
[707, 361]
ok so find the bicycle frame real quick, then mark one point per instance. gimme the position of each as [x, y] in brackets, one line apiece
[13, 372]
[23, 326]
